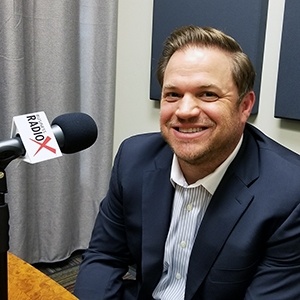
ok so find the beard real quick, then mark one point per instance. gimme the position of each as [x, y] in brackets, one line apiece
[207, 154]
[189, 152]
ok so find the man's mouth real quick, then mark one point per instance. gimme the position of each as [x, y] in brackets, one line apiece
[190, 130]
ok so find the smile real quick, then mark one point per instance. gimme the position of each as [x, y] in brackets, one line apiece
[190, 130]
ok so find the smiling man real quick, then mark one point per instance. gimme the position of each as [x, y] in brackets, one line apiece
[208, 208]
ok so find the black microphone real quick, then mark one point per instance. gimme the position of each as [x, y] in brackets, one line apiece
[73, 131]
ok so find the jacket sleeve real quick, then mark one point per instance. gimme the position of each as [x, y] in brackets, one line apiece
[278, 275]
[107, 258]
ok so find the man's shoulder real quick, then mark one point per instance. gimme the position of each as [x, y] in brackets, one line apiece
[147, 146]
[271, 148]
[148, 137]
[152, 141]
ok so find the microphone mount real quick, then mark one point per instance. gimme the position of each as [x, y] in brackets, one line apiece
[10, 151]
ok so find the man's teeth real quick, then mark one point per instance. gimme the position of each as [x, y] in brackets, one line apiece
[190, 130]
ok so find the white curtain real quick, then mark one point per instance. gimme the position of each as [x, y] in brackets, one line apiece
[57, 56]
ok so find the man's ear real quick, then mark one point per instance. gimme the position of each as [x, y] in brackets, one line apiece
[247, 104]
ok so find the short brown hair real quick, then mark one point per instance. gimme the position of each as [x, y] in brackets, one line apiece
[242, 69]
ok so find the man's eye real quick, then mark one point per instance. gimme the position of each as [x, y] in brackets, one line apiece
[172, 96]
[209, 96]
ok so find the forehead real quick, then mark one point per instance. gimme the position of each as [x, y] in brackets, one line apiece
[201, 62]
[201, 55]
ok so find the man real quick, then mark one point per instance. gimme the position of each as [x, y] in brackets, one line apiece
[208, 209]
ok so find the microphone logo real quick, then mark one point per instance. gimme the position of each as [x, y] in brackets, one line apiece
[44, 145]
[34, 129]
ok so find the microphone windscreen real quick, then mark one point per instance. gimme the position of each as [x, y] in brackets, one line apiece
[79, 130]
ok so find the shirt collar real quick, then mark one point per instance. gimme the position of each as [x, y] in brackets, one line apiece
[211, 181]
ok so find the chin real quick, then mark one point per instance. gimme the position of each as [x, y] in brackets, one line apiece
[191, 157]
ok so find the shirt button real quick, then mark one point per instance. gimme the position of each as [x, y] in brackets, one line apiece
[189, 207]
[183, 244]
[178, 276]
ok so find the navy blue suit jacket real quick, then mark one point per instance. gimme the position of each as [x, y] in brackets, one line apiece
[248, 244]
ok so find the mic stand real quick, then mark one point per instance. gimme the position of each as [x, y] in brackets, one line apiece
[7, 154]
[4, 237]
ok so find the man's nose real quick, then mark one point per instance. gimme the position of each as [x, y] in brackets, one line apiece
[188, 107]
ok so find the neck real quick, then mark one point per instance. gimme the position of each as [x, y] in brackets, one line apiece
[194, 172]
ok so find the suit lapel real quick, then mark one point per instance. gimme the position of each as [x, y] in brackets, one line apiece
[156, 215]
[227, 205]
[221, 216]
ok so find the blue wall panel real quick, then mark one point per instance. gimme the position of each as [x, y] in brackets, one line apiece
[245, 20]
[288, 84]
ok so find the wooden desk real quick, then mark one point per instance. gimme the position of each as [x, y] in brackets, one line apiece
[27, 283]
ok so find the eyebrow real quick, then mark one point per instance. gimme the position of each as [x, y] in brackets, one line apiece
[209, 85]
[169, 86]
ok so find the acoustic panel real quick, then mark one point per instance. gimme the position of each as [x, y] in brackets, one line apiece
[287, 104]
[242, 19]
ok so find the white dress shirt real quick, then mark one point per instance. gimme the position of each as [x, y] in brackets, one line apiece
[189, 206]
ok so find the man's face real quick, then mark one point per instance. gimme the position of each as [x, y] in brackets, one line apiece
[200, 116]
